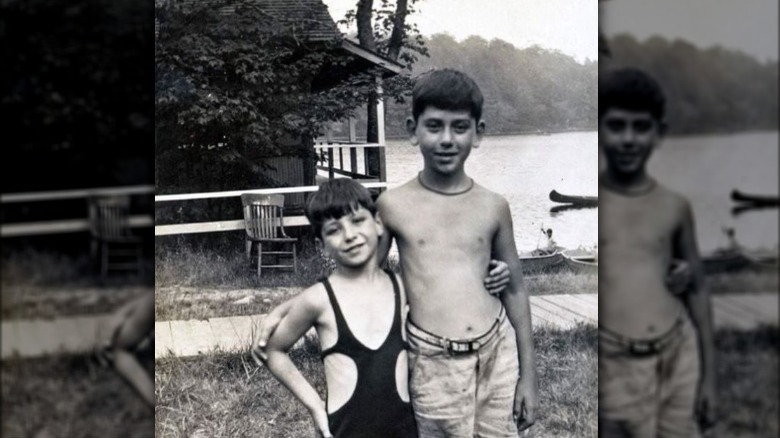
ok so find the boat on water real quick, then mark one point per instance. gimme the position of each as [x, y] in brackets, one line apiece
[763, 260]
[537, 262]
[581, 261]
[725, 260]
[584, 201]
[763, 200]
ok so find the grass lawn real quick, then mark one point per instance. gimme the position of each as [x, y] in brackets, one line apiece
[748, 383]
[228, 395]
[197, 284]
[40, 284]
[72, 397]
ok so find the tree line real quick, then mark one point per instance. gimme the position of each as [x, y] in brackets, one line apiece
[708, 90]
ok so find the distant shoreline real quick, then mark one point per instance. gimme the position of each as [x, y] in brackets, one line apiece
[671, 135]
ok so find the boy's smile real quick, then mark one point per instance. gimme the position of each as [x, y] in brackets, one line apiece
[627, 138]
[445, 138]
[352, 239]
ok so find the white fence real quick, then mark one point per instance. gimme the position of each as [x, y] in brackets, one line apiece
[76, 225]
[235, 224]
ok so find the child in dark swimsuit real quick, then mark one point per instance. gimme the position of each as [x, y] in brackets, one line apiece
[358, 313]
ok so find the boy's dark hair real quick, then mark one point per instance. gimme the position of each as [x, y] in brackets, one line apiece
[446, 89]
[631, 89]
[336, 198]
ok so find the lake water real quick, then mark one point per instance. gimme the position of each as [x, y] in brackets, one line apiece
[524, 169]
[707, 168]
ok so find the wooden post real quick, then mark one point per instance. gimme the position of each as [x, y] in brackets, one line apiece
[380, 118]
[330, 163]
[352, 150]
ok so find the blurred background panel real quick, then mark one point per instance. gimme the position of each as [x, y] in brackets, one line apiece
[77, 105]
[717, 63]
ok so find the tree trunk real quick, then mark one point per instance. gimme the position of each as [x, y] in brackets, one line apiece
[366, 39]
[365, 29]
[397, 36]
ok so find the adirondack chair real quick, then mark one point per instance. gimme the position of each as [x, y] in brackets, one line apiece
[111, 236]
[264, 224]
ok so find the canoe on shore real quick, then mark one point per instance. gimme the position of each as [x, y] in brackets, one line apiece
[535, 263]
[738, 196]
[591, 201]
[581, 261]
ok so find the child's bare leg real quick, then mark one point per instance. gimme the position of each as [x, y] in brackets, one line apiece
[127, 365]
[135, 328]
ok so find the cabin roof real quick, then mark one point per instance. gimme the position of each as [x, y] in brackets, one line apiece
[312, 14]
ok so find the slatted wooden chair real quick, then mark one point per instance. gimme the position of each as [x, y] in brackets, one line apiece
[112, 238]
[264, 223]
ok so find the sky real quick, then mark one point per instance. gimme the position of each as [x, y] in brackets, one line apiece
[747, 25]
[570, 26]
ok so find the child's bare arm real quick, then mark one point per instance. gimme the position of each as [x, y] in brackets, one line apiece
[386, 239]
[266, 329]
[302, 316]
[518, 310]
[697, 300]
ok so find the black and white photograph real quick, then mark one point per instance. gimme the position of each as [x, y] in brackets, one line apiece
[376, 218]
[77, 219]
[688, 284]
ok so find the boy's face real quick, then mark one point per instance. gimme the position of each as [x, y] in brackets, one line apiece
[352, 239]
[445, 138]
[627, 138]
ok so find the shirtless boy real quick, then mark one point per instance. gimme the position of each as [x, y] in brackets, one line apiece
[656, 360]
[465, 344]
[467, 347]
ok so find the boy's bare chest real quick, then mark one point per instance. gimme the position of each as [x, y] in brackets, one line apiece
[636, 224]
[459, 226]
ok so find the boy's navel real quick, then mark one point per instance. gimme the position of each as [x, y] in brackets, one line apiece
[421, 242]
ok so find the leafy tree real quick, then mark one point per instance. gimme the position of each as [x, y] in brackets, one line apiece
[384, 30]
[708, 90]
[235, 85]
[76, 105]
[526, 90]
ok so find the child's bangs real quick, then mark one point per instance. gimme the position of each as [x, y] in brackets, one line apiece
[338, 209]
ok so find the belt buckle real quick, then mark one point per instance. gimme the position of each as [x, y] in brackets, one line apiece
[643, 348]
[457, 348]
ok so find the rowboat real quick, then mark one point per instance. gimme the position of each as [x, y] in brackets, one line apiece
[725, 261]
[581, 261]
[738, 196]
[534, 263]
[762, 260]
[590, 201]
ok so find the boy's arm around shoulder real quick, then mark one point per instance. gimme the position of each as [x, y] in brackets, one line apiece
[518, 309]
[383, 210]
[404, 304]
[304, 312]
